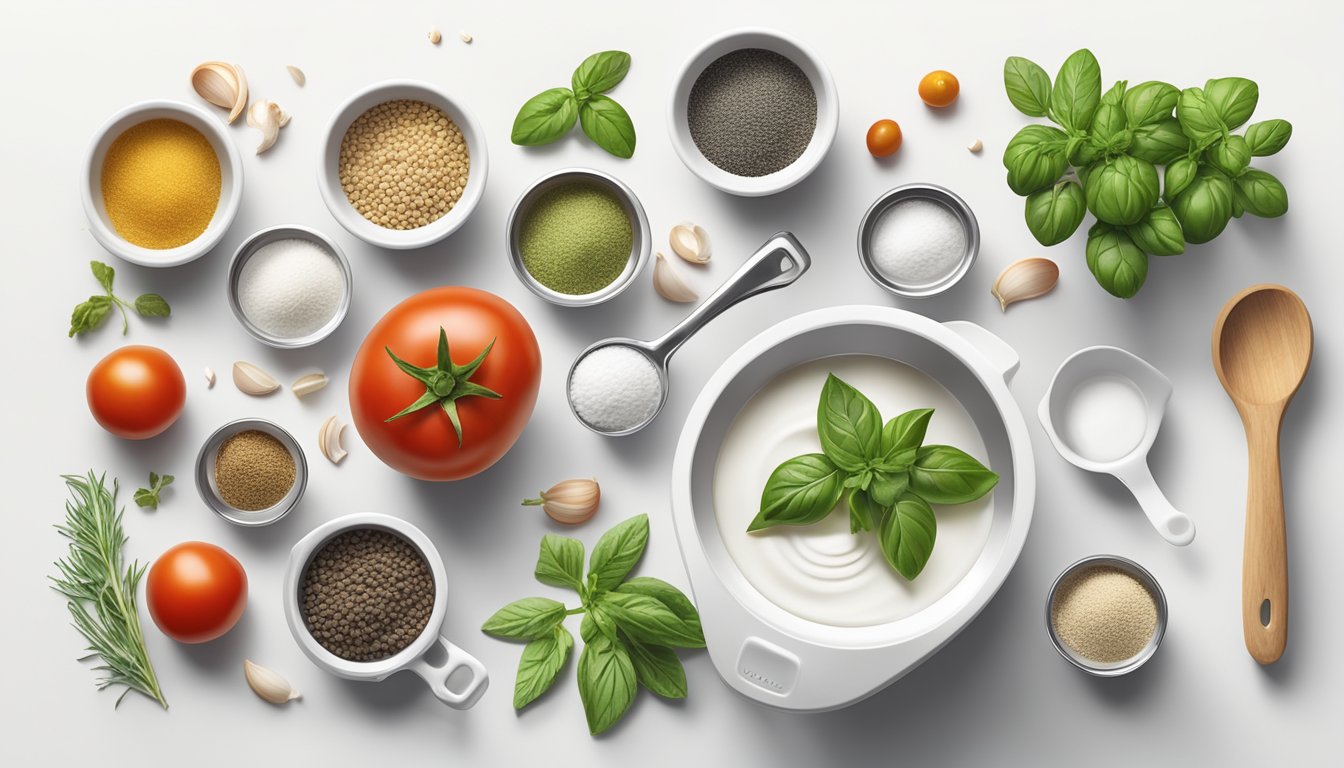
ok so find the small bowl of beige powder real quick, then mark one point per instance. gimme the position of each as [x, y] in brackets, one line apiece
[1106, 615]
[251, 472]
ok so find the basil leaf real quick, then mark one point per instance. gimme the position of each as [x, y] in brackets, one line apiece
[103, 274]
[903, 433]
[540, 664]
[658, 669]
[1109, 127]
[617, 552]
[1199, 120]
[801, 491]
[545, 118]
[907, 535]
[596, 622]
[860, 481]
[608, 125]
[599, 73]
[1035, 158]
[945, 475]
[1233, 99]
[146, 498]
[152, 305]
[1231, 155]
[1160, 143]
[1261, 194]
[89, 315]
[1028, 86]
[1122, 190]
[1150, 102]
[671, 597]
[1077, 91]
[1159, 233]
[606, 682]
[1179, 175]
[560, 562]
[526, 619]
[864, 513]
[1115, 97]
[1117, 263]
[887, 486]
[646, 618]
[1053, 214]
[1267, 137]
[1205, 206]
[848, 424]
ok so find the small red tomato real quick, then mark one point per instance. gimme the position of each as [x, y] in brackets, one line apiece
[884, 138]
[939, 88]
[196, 592]
[136, 392]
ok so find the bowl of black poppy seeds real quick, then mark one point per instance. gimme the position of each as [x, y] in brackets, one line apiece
[753, 112]
[365, 597]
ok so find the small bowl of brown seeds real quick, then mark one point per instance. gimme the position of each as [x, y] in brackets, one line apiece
[403, 165]
[251, 472]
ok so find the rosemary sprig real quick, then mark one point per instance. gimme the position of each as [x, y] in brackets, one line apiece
[101, 590]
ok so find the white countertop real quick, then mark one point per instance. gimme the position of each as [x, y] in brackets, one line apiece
[998, 694]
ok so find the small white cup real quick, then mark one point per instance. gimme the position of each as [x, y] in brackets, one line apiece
[412, 656]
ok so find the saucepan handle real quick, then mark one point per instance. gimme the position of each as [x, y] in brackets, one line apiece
[437, 676]
[1003, 357]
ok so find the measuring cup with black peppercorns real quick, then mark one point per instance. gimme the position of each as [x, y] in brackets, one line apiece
[365, 596]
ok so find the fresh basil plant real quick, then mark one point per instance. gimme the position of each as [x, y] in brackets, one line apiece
[1106, 152]
[552, 113]
[884, 471]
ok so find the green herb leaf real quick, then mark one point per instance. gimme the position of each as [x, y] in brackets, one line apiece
[1231, 155]
[560, 562]
[1160, 143]
[1268, 137]
[608, 125]
[1028, 86]
[595, 622]
[946, 475]
[1179, 174]
[907, 535]
[1122, 190]
[545, 118]
[1115, 96]
[657, 668]
[1205, 206]
[668, 595]
[1150, 102]
[864, 513]
[801, 491]
[887, 486]
[617, 552]
[648, 619]
[849, 425]
[1035, 158]
[1159, 233]
[1261, 194]
[1199, 120]
[526, 619]
[540, 665]
[607, 682]
[103, 274]
[1053, 214]
[600, 73]
[152, 305]
[1233, 99]
[90, 314]
[1077, 91]
[149, 497]
[903, 433]
[1117, 263]
[1110, 129]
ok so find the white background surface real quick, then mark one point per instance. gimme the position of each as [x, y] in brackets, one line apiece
[998, 694]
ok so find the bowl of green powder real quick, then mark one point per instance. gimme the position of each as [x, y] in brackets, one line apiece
[578, 237]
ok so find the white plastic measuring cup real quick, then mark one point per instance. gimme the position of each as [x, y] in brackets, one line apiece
[1102, 412]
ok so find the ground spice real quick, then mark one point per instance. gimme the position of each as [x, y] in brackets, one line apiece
[403, 164]
[1104, 614]
[253, 471]
[367, 594]
[160, 183]
[752, 112]
[576, 238]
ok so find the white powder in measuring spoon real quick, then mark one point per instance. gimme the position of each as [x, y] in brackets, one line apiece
[615, 388]
[916, 242]
[291, 288]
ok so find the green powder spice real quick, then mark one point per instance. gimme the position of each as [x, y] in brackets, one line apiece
[576, 238]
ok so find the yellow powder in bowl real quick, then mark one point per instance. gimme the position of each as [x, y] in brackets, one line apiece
[161, 183]
[1104, 614]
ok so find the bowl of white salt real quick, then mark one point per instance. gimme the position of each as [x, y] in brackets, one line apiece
[918, 240]
[289, 286]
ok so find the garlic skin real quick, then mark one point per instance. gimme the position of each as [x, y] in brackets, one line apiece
[222, 84]
[329, 440]
[690, 242]
[975, 146]
[1025, 279]
[268, 684]
[209, 377]
[569, 502]
[299, 78]
[669, 284]
[267, 117]
[466, 37]
[251, 380]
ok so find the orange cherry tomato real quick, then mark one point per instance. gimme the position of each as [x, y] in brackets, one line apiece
[196, 592]
[939, 88]
[136, 392]
[884, 138]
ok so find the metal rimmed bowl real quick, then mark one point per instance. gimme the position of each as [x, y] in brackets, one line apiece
[274, 234]
[1140, 574]
[945, 197]
[205, 474]
[640, 244]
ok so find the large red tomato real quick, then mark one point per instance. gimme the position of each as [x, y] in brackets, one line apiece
[405, 411]
[196, 592]
[136, 392]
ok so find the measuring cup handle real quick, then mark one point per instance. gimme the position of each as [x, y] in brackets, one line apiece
[1173, 525]
[437, 676]
[777, 263]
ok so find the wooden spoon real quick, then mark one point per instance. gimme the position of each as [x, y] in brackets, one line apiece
[1261, 351]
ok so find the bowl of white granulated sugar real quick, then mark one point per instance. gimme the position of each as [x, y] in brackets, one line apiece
[918, 240]
[289, 286]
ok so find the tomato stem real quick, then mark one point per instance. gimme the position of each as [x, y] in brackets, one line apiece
[445, 383]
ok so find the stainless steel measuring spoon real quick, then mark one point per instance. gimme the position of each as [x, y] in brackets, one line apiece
[777, 263]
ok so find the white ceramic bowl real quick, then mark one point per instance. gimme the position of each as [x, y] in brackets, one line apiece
[828, 112]
[230, 190]
[328, 173]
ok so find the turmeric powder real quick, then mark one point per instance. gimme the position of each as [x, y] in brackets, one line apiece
[161, 184]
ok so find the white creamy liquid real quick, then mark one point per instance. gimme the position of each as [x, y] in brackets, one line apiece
[822, 572]
[1105, 418]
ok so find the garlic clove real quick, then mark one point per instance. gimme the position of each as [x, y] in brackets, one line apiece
[669, 284]
[466, 37]
[252, 380]
[435, 36]
[308, 384]
[267, 117]
[569, 502]
[299, 78]
[268, 684]
[209, 377]
[1025, 279]
[222, 84]
[975, 146]
[329, 440]
[690, 242]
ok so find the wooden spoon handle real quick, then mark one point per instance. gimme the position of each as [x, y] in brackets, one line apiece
[1264, 583]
